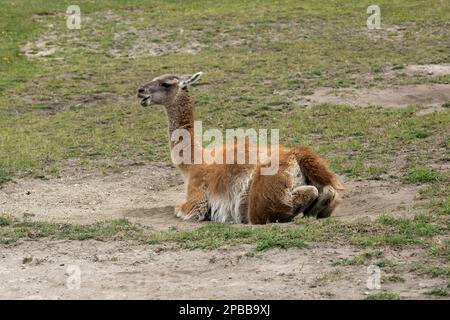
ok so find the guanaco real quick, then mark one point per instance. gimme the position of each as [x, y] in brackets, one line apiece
[240, 193]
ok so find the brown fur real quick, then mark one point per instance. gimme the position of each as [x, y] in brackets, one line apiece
[315, 168]
[262, 198]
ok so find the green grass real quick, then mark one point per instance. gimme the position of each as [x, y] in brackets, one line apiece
[385, 263]
[441, 249]
[438, 292]
[438, 196]
[364, 259]
[12, 230]
[383, 296]
[355, 261]
[422, 175]
[392, 278]
[4, 177]
[5, 220]
[212, 236]
[398, 67]
[431, 267]
[422, 134]
[208, 236]
[387, 231]
[400, 231]
[79, 102]
[258, 59]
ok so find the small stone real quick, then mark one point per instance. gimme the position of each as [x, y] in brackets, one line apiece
[27, 259]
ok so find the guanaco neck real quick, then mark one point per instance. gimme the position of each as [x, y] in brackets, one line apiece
[181, 116]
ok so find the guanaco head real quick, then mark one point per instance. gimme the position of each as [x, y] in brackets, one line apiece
[163, 89]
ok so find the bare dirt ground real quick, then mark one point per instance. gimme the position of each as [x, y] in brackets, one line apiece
[428, 69]
[124, 270]
[146, 195]
[431, 95]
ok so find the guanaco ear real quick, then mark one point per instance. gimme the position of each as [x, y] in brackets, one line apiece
[186, 82]
[170, 82]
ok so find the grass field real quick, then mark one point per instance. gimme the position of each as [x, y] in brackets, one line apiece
[68, 96]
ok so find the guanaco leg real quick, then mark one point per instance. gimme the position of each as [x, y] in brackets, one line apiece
[195, 207]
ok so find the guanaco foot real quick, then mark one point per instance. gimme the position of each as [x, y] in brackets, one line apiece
[325, 204]
[191, 210]
[334, 202]
[303, 197]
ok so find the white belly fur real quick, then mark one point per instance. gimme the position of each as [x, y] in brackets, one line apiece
[228, 207]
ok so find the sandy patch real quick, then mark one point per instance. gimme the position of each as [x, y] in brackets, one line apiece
[433, 95]
[129, 270]
[133, 40]
[370, 198]
[428, 69]
[124, 270]
[147, 195]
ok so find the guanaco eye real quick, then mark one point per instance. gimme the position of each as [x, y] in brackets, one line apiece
[165, 84]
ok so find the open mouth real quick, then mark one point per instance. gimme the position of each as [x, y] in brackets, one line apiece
[146, 101]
